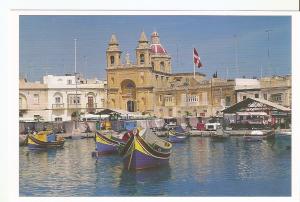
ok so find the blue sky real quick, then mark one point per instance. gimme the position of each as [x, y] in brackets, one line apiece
[47, 43]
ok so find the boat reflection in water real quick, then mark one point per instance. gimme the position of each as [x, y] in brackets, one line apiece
[133, 182]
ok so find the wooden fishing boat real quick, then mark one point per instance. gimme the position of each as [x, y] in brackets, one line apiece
[179, 131]
[144, 150]
[173, 138]
[45, 140]
[177, 134]
[259, 135]
[107, 143]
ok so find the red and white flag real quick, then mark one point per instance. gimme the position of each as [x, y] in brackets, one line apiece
[197, 59]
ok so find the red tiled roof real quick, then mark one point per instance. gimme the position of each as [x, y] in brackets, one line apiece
[157, 48]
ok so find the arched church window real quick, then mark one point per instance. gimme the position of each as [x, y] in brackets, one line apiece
[142, 58]
[112, 60]
[162, 66]
[130, 85]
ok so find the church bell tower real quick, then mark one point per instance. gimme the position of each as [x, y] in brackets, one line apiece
[113, 53]
[143, 51]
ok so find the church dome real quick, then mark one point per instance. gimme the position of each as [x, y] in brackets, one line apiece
[155, 46]
[158, 49]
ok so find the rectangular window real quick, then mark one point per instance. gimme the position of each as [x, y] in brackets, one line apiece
[57, 100]
[265, 96]
[74, 100]
[276, 97]
[244, 97]
[256, 95]
[58, 119]
[227, 101]
[36, 99]
[192, 98]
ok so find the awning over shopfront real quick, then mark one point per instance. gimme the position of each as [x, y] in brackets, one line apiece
[122, 113]
[256, 105]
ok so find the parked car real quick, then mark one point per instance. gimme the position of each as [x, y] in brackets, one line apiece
[213, 124]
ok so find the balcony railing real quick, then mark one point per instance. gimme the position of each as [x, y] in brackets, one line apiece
[58, 106]
[74, 106]
[91, 105]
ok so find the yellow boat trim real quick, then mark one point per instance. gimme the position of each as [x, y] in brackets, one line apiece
[101, 140]
[30, 141]
[138, 146]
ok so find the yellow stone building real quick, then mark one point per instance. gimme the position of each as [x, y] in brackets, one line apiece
[149, 86]
[131, 86]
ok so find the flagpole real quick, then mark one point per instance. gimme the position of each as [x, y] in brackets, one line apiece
[194, 65]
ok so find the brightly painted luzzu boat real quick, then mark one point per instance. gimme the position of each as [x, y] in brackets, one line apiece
[45, 140]
[178, 134]
[144, 150]
[107, 143]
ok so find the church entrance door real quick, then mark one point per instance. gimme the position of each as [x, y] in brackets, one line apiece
[130, 106]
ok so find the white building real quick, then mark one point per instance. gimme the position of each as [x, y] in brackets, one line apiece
[64, 97]
[276, 89]
[33, 103]
[247, 88]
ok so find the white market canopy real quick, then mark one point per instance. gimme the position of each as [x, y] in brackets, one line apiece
[255, 105]
[122, 113]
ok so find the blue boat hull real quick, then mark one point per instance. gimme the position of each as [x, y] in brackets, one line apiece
[106, 144]
[177, 139]
[138, 154]
[138, 160]
[106, 148]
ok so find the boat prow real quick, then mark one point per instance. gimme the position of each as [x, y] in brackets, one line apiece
[107, 143]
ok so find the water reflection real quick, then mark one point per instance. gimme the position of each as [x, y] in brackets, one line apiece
[199, 167]
[145, 182]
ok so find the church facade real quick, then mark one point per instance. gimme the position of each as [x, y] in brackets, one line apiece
[149, 86]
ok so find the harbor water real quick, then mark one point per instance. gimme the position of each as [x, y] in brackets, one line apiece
[199, 167]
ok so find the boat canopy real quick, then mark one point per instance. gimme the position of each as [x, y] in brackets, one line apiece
[151, 139]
